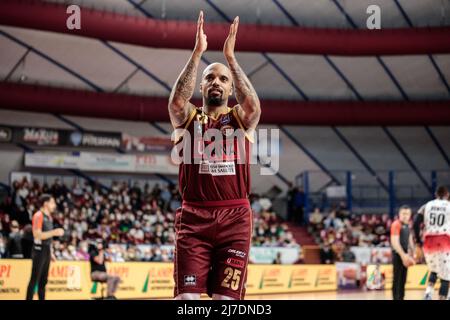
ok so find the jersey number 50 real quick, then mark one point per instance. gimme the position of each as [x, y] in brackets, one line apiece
[437, 219]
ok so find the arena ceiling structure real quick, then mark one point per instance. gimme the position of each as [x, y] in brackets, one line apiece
[312, 62]
[313, 56]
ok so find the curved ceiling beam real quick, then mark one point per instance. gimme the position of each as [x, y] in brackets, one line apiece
[257, 38]
[143, 108]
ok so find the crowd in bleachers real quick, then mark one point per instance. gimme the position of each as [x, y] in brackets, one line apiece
[268, 229]
[338, 230]
[137, 223]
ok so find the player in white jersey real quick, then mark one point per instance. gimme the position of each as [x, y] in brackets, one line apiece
[435, 216]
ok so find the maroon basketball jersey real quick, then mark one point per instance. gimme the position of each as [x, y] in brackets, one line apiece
[225, 175]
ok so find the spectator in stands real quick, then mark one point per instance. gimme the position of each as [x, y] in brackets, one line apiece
[332, 221]
[147, 255]
[3, 232]
[291, 202]
[22, 194]
[326, 255]
[82, 253]
[342, 211]
[367, 237]
[58, 190]
[27, 241]
[157, 255]
[341, 230]
[277, 260]
[315, 221]
[2, 247]
[348, 255]
[299, 203]
[14, 247]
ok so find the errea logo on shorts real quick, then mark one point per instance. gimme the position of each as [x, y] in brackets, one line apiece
[190, 280]
[237, 253]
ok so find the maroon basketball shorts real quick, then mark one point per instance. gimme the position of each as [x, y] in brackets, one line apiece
[212, 246]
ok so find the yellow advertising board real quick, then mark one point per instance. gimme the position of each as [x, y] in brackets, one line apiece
[68, 280]
[146, 280]
[290, 278]
[14, 277]
[140, 280]
[416, 279]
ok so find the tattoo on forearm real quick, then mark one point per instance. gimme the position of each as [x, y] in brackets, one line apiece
[185, 84]
[244, 88]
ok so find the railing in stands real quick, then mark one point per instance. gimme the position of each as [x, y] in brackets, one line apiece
[361, 191]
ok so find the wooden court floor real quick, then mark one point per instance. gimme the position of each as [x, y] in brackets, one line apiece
[336, 295]
[340, 295]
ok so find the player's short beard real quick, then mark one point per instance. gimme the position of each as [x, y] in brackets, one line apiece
[215, 101]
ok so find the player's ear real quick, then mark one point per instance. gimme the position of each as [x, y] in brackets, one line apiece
[201, 88]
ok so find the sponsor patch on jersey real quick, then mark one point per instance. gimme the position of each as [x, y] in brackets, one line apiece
[217, 168]
[227, 130]
[190, 280]
[225, 119]
[203, 167]
[237, 263]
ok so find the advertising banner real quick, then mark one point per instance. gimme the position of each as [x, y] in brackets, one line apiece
[92, 139]
[293, 278]
[71, 279]
[90, 161]
[14, 277]
[417, 276]
[366, 255]
[381, 255]
[68, 280]
[146, 144]
[268, 254]
[336, 192]
[37, 136]
[348, 275]
[155, 163]
[362, 254]
[61, 137]
[107, 162]
[141, 280]
[5, 134]
[52, 160]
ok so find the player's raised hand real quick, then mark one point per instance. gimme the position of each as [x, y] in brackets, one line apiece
[200, 40]
[228, 48]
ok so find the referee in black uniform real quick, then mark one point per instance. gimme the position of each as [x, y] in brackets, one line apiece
[401, 242]
[43, 233]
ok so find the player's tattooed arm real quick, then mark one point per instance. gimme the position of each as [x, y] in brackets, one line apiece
[246, 95]
[182, 91]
